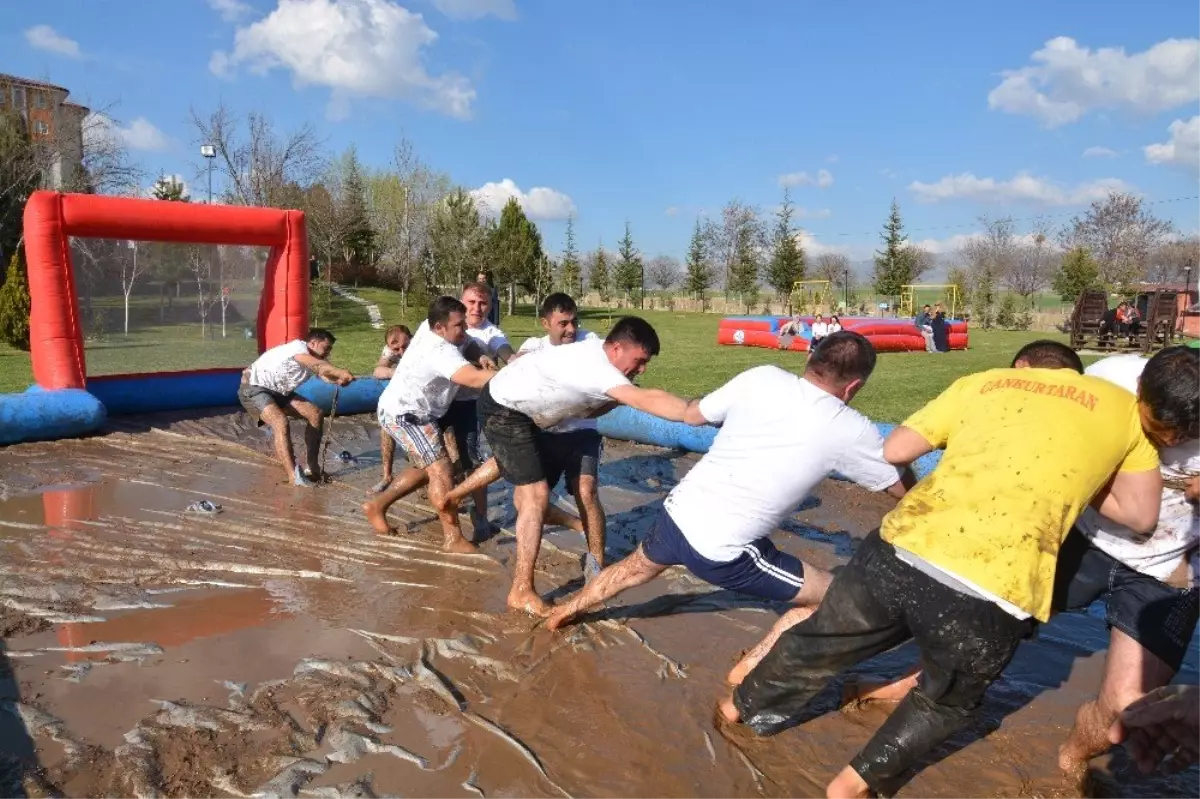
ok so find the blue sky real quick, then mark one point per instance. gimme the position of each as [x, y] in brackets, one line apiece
[659, 111]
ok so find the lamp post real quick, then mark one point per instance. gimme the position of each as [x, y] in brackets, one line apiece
[209, 152]
[642, 278]
[846, 290]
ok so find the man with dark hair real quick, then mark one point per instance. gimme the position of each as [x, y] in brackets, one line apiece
[965, 564]
[410, 408]
[1047, 354]
[268, 393]
[538, 391]
[780, 436]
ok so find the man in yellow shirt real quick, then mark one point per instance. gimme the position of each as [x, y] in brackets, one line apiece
[965, 563]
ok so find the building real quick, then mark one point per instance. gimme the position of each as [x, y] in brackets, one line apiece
[50, 119]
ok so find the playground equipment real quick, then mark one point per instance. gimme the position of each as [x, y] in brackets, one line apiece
[1158, 311]
[812, 296]
[945, 293]
[887, 335]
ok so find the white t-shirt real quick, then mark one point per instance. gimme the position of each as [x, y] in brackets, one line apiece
[832, 327]
[1178, 523]
[543, 342]
[490, 338]
[820, 329]
[781, 435]
[278, 370]
[421, 384]
[557, 383]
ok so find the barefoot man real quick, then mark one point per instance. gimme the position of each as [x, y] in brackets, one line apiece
[409, 409]
[538, 391]
[780, 435]
[965, 563]
[268, 393]
[395, 341]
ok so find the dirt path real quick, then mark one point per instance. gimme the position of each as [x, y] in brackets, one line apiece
[280, 648]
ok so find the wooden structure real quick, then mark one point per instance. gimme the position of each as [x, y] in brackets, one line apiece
[1155, 328]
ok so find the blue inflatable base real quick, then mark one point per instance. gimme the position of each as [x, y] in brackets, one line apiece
[632, 425]
[361, 396]
[40, 415]
[169, 391]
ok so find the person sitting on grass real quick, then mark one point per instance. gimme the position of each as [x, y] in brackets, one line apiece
[268, 393]
[396, 340]
[538, 391]
[410, 408]
[718, 521]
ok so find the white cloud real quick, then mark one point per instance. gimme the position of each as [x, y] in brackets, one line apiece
[822, 180]
[43, 37]
[1067, 81]
[140, 134]
[477, 9]
[540, 204]
[672, 210]
[1099, 152]
[230, 10]
[832, 159]
[1183, 150]
[814, 247]
[1022, 188]
[357, 48]
[889, 173]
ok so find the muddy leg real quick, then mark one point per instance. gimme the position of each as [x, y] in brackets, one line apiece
[636, 569]
[587, 499]
[816, 583]
[558, 517]
[848, 785]
[376, 509]
[387, 455]
[531, 501]
[275, 418]
[863, 691]
[312, 417]
[485, 475]
[441, 477]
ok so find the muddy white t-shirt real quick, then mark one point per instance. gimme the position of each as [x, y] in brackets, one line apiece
[780, 436]
[543, 342]
[421, 385]
[490, 338]
[557, 383]
[1178, 523]
[278, 370]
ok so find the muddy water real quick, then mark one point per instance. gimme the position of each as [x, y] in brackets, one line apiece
[279, 647]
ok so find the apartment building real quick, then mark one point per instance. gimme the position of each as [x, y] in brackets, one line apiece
[51, 119]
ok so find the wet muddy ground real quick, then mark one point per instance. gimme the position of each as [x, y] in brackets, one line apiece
[279, 648]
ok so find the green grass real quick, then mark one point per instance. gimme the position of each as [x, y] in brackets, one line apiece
[691, 362]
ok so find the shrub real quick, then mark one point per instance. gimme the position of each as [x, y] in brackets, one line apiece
[1006, 316]
[15, 305]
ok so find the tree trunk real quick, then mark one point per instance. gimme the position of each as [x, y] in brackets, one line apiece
[222, 320]
[127, 314]
[512, 298]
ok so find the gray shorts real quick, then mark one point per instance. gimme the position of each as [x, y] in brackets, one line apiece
[256, 399]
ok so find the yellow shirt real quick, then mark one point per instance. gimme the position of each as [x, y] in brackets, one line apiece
[1025, 451]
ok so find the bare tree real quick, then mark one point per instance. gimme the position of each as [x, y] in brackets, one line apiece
[833, 267]
[200, 261]
[130, 269]
[920, 261]
[664, 272]
[1170, 261]
[1032, 265]
[1120, 234]
[729, 237]
[257, 163]
[408, 241]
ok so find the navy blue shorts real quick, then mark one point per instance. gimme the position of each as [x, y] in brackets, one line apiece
[761, 571]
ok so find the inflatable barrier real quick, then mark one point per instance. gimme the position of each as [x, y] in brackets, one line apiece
[40, 415]
[887, 335]
[361, 396]
[159, 391]
[631, 425]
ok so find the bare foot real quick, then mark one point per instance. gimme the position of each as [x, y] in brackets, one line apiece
[728, 710]
[380, 486]
[561, 617]
[1074, 769]
[378, 519]
[460, 546]
[849, 785]
[529, 602]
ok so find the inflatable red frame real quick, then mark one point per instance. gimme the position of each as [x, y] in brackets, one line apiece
[55, 333]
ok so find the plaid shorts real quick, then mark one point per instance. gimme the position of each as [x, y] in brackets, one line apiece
[422, 441]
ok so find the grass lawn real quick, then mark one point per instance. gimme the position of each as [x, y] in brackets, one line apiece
[691, 362]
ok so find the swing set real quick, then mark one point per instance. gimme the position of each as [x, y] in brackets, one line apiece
[947, 294]
[812, 296]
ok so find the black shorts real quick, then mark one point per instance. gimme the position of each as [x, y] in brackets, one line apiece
[513, 438]
[569, 455]
[256, 399]
[463, 419]
[1158, 616]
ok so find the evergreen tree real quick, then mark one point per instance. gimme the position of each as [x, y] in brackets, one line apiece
[598, 274]
[743, 279]
[787, 257]
[1006, 315]
[1078, 273]
[516, 248]
[627, 275]
[358, 236]
[699, 273]
[170, 189]
[456, 239]
[571, 273]
[15, 304]
[893, 265]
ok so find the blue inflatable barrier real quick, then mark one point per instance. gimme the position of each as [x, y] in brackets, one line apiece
[361, 396]
[631, 425]
[166, 391]
[40, 415]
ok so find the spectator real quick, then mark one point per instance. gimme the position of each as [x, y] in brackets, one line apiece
[820, 329]
[493, 315]
[941, 329]
[835, 325]
[925, 325]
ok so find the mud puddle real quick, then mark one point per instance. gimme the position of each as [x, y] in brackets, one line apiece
[279, 648]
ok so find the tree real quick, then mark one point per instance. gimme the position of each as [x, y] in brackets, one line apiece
[357, 234]
[571, 272]
[893, 267]
[737, 223]
[920, 261]
[698, 278]
[1120, 234]
[787, 257]
[663, 272]
[456, 238]
[517, 246]
[130, 270]
[200, 262]
[1170, 261]
[835, 268]
[15, 304]
[960, 279]
[1077, 273]
[627, 275]
[164, 259]
[1032, 265]
[170, 189]
[598, 277]
[1006, 316]
[746, 266]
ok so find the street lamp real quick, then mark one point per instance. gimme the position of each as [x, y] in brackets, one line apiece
[846, 291]
[209, 152]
